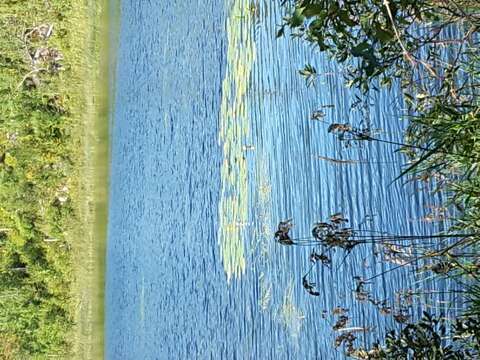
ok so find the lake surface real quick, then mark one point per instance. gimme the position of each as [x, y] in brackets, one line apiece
[212, 145]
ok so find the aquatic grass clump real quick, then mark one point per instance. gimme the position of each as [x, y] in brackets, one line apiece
[444, 255]
[431, 337]
[454, 132]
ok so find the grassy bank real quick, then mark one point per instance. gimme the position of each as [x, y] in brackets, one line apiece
[53, 178]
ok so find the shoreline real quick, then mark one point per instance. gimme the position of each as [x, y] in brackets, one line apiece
[93, 201]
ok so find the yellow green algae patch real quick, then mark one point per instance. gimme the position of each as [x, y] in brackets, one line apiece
[234, 129]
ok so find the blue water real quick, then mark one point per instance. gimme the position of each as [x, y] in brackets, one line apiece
[168, 293]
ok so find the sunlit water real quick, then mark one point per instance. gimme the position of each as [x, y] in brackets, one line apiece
[212, 145]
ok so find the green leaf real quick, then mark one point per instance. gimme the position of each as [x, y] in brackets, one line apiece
[344, 16]
[315, 25]
[333, 8]
[360, 49]
[297, 18]
[370, 69]
[313, 10]
[408, 98]
[416, 164]
[384, 35]
[280, 32]
[386, 81]
[10, 160]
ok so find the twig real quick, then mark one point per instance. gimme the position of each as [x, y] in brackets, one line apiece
[406, 53]
[26, 76]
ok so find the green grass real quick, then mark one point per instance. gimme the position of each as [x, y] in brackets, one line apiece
[53, 188]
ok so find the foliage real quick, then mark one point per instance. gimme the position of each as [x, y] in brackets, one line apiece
[448, 122]
[381, 39]
[40, 159]
[409, 40]
[430, 338]
[309, 73]
[430, 49]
